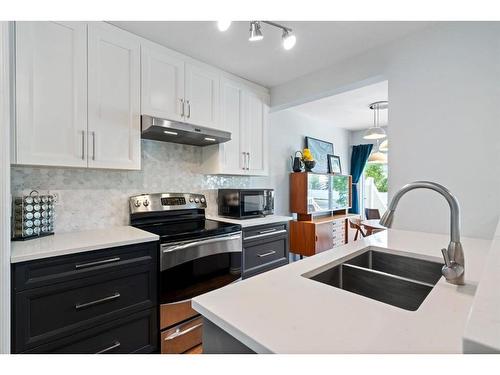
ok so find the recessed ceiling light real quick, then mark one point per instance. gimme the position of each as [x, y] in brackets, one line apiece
[223, 25]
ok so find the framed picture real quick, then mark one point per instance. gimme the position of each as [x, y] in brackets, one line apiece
[320, 150]
[334, 165]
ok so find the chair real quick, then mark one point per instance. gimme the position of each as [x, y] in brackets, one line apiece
[355, 224]
[372, 213]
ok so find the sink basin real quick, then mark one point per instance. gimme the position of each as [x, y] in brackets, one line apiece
[397, 280]
[411, 268]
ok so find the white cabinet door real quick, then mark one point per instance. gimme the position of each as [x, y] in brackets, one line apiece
[202, 96]
[162, 84]
[114, 98]
[255, 133]
[51, 93]
[232, 153]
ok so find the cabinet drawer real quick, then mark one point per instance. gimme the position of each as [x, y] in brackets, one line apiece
[49, 271]
[136, 333]
[183, 337]
[338, 229]
[264, 253]
[264, 232]
[48, 313]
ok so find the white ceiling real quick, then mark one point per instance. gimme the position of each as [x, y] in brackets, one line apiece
[350, 109]
[319, 44]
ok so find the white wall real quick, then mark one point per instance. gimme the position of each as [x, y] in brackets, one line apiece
[287, 130]
[444, 118]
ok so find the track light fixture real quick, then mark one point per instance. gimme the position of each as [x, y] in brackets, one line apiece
[288, 36]
[255, 33]
[223, 25]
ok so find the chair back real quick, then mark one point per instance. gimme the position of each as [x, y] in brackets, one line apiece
[372, 213]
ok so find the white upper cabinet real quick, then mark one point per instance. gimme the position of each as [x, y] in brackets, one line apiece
[255, 133]
[162, 84]
[114, 98]
[202, 96]
[51, 93]
[244, 114]
[175, 87]
[231, 153]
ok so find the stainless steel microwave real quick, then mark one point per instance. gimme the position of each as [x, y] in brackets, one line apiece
[245, 203]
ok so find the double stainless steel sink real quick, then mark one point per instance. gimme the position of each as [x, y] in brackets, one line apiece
[397, 280]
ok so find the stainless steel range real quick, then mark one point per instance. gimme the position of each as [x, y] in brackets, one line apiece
[197, 255]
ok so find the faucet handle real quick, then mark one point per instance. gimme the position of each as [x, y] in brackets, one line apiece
[446, 257]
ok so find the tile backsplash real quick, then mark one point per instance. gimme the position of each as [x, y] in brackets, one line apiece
[96, 198]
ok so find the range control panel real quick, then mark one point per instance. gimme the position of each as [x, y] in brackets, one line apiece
[166, 202]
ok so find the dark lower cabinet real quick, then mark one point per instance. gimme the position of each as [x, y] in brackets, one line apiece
[265, 247]
[104, 301]
[135, 333]
[218, 341]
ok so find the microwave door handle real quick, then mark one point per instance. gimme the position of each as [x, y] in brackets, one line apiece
[201, 242]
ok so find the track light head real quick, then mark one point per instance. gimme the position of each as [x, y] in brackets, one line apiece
[289, 39]
[223, 25]
[255, 33]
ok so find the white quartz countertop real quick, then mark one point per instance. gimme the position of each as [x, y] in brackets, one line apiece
[482, 334]
[246, 223]
[77, 242]
[281, 311]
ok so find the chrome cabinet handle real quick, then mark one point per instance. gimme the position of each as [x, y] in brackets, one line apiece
[79, 306]
[248, 164]
[83, 144]
[268, 230]
[244, 161]
[266, 254]
[182, 107]
[93, 145]
[265, 234]
[185, 245]
[115, 345]
[96, 263]
[178, 332]
[189, 109]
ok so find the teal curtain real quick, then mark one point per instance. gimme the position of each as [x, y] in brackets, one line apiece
[359, 157]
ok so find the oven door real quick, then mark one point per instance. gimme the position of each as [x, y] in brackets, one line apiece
[191, 268]
[252, 203]
[188, 269]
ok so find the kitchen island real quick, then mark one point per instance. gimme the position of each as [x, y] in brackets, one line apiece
[282, 311]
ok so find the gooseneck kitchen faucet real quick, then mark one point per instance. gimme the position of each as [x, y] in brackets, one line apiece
[454, 268]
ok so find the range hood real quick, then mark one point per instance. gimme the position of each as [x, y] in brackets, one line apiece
[159, 129]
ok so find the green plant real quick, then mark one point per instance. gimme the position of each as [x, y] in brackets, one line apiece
[379, 176]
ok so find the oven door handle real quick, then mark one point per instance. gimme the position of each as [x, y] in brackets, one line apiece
[186, 245]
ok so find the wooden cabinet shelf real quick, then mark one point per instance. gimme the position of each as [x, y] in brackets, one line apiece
[320, 201]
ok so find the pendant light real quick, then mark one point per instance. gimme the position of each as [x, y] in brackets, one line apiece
[376, 132]
[384, 146]
[378, 157]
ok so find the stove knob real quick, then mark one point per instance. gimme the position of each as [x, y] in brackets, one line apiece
[137, 203]
[196, 200]
[145, 203]
[202, 200]
[191, 199]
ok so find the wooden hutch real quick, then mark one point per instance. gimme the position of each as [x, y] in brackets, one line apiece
[321, 202]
